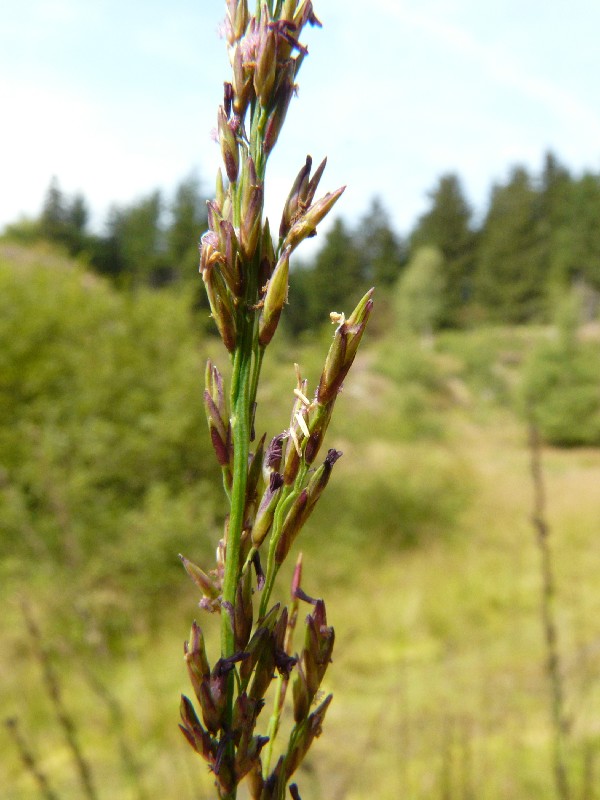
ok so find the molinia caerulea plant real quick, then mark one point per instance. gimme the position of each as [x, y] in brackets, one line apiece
[271, 489]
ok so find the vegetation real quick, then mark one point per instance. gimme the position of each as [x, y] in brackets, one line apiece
[560, 385]
[148, 243]
[106, 476]
[101, 429]
[452, 679]
[271, 486]
[537, 239]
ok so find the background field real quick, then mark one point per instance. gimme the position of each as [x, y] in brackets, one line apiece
[422, 546]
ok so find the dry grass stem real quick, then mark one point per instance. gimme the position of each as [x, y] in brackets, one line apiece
[548, 616]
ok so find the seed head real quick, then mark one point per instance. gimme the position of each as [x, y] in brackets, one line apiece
[241, 82]
[266, 66]
[275, 299]
[291, 526]
[285, 88]
[306, 225]
[242, 622]
[201, 579]
[193, 731]
[301, 195]
[229, 147]
[343, 349]
[236, 20]
[195, 658]
[221, 306]
[251, 210]
[266, 510]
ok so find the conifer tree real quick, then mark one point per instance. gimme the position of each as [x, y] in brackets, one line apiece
[511, 271]
[447, 226]
[585, 230]
[136, 241]
[382, 252]
[188, 221]
[555, 204]
[335, 280]
[54, 214]
[419, 293]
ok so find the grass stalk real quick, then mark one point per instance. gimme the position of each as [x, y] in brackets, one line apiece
[548, 616]
[240, 427]
[270, 493]
[65, 720]
[29, 760]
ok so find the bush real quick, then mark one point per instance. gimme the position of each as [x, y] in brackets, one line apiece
[102, 429]
[561, 387]
[419, 294]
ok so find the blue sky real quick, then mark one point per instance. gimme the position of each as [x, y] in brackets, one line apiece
[117, 98]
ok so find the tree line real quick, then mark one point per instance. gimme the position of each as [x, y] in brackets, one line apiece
[153, 241]
[538, 236]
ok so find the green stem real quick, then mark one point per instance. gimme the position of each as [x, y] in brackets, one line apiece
[270, 575]
[240, 425]
[272, 568]
[256, 376]
[259, 120]
[268, 587]
[273, 728]
[290, 493]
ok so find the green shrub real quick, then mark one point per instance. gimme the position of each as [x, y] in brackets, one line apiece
[419, 292]
[561, 387]
[102, 430]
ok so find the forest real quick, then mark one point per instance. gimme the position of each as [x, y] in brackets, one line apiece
[537, 237]
[443, 590]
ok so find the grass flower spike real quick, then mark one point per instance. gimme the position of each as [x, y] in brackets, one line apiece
[270, 491]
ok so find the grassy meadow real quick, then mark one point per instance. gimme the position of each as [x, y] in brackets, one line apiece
[422, 546]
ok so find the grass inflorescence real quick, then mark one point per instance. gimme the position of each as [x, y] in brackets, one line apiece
[271, 487]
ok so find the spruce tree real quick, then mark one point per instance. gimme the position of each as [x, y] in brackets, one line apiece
[585, 213]
[53, 218]
[511, 271]
[188, 221]
[447, 226]
[382, 252]
[334, 281]
[136, 242]
[555, 207]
